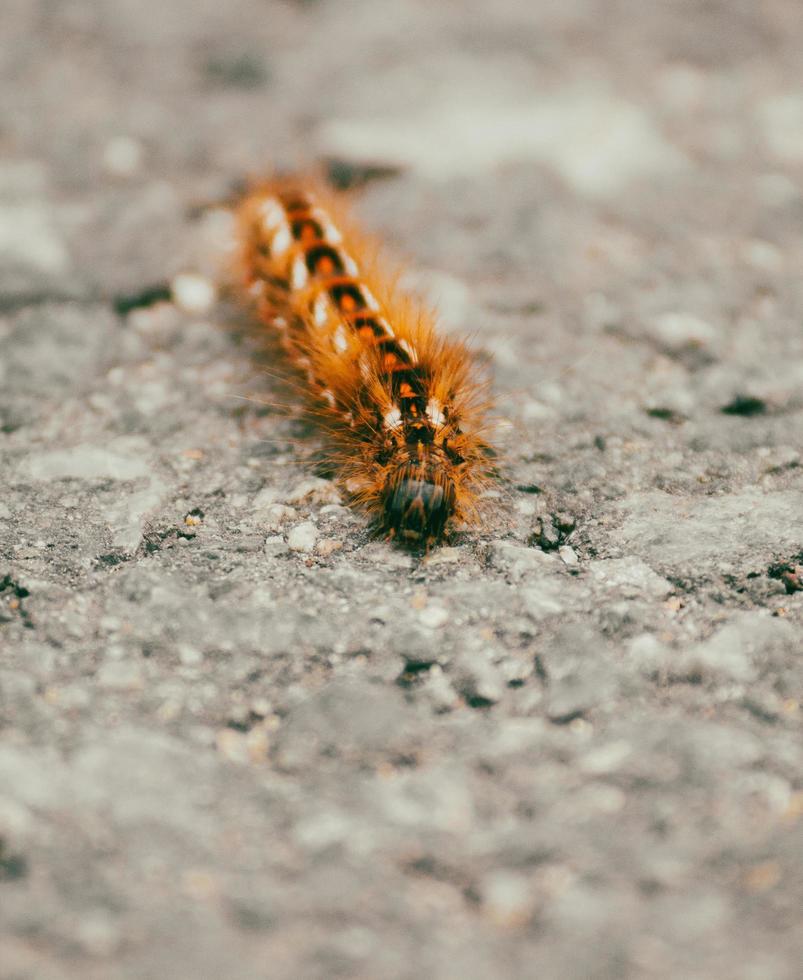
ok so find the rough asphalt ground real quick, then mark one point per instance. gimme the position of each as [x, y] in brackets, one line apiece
[240, 739]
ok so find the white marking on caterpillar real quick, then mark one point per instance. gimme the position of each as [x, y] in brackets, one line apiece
[282, 240]
[272, 214]
[321, 310]
[370, 299]
[330, 232]
[340, 340]
[434, 413]
[299, 276]
[393, 417]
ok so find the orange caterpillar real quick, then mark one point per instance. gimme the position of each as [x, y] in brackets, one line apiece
[401, 402]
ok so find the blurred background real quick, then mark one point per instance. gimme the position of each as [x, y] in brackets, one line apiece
[588, 156]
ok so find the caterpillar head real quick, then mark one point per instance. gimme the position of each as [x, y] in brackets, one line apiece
[417, 503]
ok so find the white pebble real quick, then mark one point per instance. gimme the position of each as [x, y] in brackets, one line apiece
[314, 491]
[567, 555]
[193, 293]
[122, 156]
[328, 546]
[278, 514]
[678, 330]
[434, 615]
[190, 656]
[302, 537]
[507, 899]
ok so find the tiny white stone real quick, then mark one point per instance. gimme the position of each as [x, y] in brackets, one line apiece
[680, 329]
[328, 546]
[302, 537]
[279, 513]
[192, 293]
[122, 156]
[507, 898]
[314, 491]
[190, 656]
[434, 615]
[567, 555]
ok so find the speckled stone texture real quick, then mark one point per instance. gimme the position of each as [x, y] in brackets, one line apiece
[239, 738]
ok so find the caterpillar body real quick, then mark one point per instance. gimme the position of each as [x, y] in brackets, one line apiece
[400, 402]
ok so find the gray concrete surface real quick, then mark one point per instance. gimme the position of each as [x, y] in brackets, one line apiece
[567, 745]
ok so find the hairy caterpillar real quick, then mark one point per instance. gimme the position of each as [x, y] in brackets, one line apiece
[401, 403]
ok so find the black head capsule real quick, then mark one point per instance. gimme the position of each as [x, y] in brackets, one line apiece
[416, 510]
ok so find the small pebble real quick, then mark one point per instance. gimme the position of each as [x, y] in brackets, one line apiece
[314, 491]
[546, 534]
[507, 899]
[122, 157]
[434, 615]
[302, 537]
[328, 546]
[193, 294]
[189, 656]
[679, 330]
[278, 514]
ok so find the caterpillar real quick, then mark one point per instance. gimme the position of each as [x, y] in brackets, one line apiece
[401, 403]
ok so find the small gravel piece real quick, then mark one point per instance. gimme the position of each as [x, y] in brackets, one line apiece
[302, 537]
